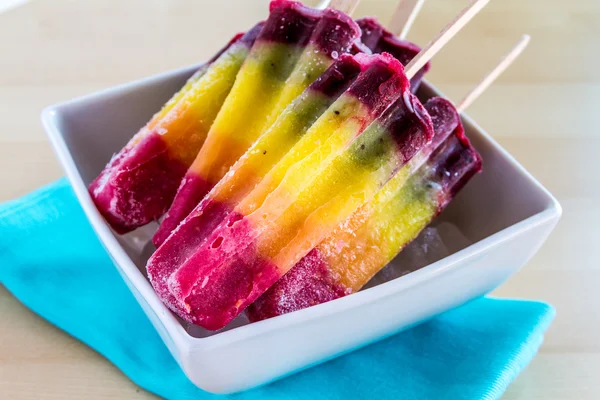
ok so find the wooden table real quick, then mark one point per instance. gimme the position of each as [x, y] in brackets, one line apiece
[543, 110]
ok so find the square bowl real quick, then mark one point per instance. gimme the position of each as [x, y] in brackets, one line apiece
[503, 216]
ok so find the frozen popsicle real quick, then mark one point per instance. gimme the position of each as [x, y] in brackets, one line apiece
[378, 38]
[359, 247]
[139, 182]
[372, 82]
[254, 251]
[258, 242]
[272, 77]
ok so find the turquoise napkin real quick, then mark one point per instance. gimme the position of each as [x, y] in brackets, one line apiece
[51, 260]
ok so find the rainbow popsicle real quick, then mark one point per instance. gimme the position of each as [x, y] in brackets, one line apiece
[251, 168]
[277, 71]
[251, 251]
[363, 244]
[139, 182]
[257, 173]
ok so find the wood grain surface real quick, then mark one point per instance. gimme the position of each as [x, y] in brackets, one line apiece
[543, 110]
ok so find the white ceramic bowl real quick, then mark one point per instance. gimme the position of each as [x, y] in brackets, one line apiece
[504, 213]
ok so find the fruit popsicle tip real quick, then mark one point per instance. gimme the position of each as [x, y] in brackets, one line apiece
[368, 60]
[289, 22]
[335, 33]
[382, 73]
[404, 16]
[445, 36]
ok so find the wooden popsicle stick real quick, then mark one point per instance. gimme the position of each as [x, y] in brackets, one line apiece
[494, 74]
[346, 6]
[444, 37]
[404, 16]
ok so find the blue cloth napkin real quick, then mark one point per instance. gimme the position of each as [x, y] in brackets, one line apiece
[51, 260]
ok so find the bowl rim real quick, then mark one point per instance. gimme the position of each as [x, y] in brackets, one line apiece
[174, 328]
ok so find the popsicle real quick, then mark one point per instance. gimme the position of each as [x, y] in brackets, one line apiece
[253, 250]
[364, 243]
[140, 181]
[187, 198]
[271, 78]
[372, 84]
[256, 244]
[359, 247]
